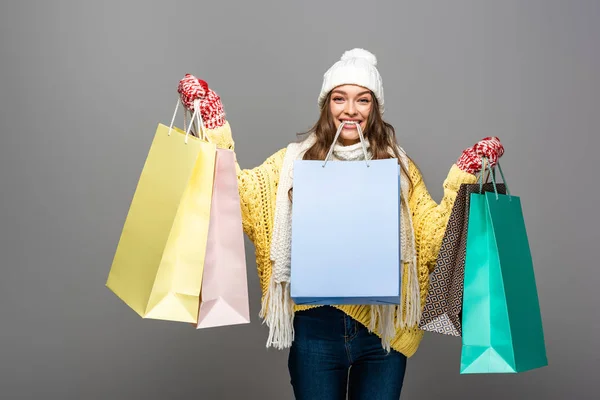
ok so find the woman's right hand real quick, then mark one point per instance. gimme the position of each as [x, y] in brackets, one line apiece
[211, 110]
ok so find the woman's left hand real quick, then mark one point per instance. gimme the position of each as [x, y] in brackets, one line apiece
[489, 147]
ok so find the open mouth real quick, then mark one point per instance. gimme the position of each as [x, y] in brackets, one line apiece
[350, 123]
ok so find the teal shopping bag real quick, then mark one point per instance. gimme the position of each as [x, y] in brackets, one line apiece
[502, 324]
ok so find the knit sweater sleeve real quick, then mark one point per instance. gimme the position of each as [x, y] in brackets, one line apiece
[429, 218]
[258, 187]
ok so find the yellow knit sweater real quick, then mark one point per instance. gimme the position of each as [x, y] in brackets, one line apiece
[258, 189]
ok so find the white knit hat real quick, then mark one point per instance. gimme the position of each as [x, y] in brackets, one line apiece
[356, 67]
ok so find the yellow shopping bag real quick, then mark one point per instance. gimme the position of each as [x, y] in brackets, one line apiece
[158, 265]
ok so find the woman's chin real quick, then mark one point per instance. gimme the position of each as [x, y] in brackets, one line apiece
[349, 139]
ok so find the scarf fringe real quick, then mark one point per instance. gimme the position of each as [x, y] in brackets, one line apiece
[277, 311]
[382, 322]
[409, 314]
[375, 317]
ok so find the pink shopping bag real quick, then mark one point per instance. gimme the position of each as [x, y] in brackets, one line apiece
[224, 294]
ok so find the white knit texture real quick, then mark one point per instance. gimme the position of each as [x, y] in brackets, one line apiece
[356, 67]
[360, 53]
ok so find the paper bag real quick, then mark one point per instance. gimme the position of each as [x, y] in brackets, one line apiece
[502, 324]
[442, 312]
[224, 295]
[346, 232]
[158, 264]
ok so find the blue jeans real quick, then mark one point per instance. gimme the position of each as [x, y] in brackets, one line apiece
[332, 353]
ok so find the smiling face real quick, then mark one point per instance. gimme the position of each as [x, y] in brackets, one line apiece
[350, 103]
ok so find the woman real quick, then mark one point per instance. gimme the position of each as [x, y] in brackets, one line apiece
[356, 349]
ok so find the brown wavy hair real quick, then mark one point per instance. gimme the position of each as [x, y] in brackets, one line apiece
[380, 135]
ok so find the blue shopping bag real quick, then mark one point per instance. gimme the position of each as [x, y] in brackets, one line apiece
[502, 324]
[346, 232]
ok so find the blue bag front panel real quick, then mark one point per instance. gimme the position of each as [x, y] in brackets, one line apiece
[346, 232]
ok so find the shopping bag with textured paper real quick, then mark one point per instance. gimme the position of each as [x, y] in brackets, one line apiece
[158, 264]
[224, 295]
[502, 324]
[346, 232]
[442, 312]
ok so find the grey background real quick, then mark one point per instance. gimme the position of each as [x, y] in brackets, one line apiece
[83, 85]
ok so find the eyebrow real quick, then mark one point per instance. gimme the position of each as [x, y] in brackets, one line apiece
[359, 94]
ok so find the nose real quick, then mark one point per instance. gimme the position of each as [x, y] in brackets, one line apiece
[350, 109]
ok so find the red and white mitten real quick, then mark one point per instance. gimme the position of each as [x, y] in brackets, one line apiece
[191, 88]
[196, 91]
[470, 159]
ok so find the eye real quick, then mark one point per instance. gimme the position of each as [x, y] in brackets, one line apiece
[338, 99]
[364, 100]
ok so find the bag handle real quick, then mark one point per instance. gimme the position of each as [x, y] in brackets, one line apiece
[204, 135]
[337, 135]
[195, 114]
[492, 174]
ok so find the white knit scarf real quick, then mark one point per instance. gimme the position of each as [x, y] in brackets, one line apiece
[277, 308]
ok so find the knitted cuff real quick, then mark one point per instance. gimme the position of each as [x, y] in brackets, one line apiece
[221, 136]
